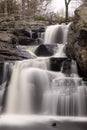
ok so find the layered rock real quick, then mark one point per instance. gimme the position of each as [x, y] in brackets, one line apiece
[8, 50]
[77, 39]
[14, 33]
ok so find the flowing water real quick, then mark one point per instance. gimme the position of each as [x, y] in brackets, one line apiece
[56, 34]
[35, 89]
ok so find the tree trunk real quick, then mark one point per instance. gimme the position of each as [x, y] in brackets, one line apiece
[23, 9]
[66, 13]
[5, 8]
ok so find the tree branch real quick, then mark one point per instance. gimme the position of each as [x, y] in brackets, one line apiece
[68, 1]
[65, 2]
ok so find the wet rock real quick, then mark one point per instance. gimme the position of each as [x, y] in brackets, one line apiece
[45, 50]
[22, 32]
[26, 36]
[77, 39]
[66, 67]
[26, 54]
[41, 29]
[82, 39]
[1, 72]
[25, 41]
[56, 63]
[34, 35]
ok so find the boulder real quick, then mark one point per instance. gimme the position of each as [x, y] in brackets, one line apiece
[41, 29]
[77, 39]
[45, 50]
[56, 63]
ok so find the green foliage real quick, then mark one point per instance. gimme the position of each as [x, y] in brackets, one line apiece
[60, 19]
[39, 18]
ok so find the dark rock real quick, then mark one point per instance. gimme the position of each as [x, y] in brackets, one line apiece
[34, 35]
[56, 63]
[22, 32]
[26, 37]
[44, 50]
[54, 124]
[82, 39]
[1, 72]
[66, 66]
[25, 40]
[41, 29]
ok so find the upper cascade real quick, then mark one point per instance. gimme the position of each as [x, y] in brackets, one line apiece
[56, 34]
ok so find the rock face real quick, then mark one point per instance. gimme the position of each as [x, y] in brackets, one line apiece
[77, 39]
[14, 33]
[8, 50]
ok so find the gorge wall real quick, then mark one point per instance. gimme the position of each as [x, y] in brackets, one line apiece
[77, 39]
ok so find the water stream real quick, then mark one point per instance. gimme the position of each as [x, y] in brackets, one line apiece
[35, 89]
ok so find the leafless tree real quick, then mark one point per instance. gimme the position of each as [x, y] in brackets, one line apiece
[5, 8]
[67, 2]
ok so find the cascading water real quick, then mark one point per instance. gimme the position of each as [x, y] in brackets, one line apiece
[35, 89]
[6, 71]
[67, 97]
[56, 34]
[60, 52]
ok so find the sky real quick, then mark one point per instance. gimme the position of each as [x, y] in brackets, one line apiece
[59, 6]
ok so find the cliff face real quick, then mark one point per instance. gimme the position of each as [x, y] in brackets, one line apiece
[77, 39]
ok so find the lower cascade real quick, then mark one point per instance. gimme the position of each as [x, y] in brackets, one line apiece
[35, 89]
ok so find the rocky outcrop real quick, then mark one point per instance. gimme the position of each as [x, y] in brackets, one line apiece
[14, 33]
[8, 49]
[77, 39]
[26, 37]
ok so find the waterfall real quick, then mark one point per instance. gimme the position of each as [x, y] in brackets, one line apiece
[6, 72]
[60, 52]
[35, 89]
[56, 34]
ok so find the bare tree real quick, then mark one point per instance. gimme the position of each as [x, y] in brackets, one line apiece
[67, 2]
[43, 5]
[5, 8]
[23, 8]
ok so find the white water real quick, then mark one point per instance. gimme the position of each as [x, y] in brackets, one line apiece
[56, 34]
[60, 52]
[35, 89]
